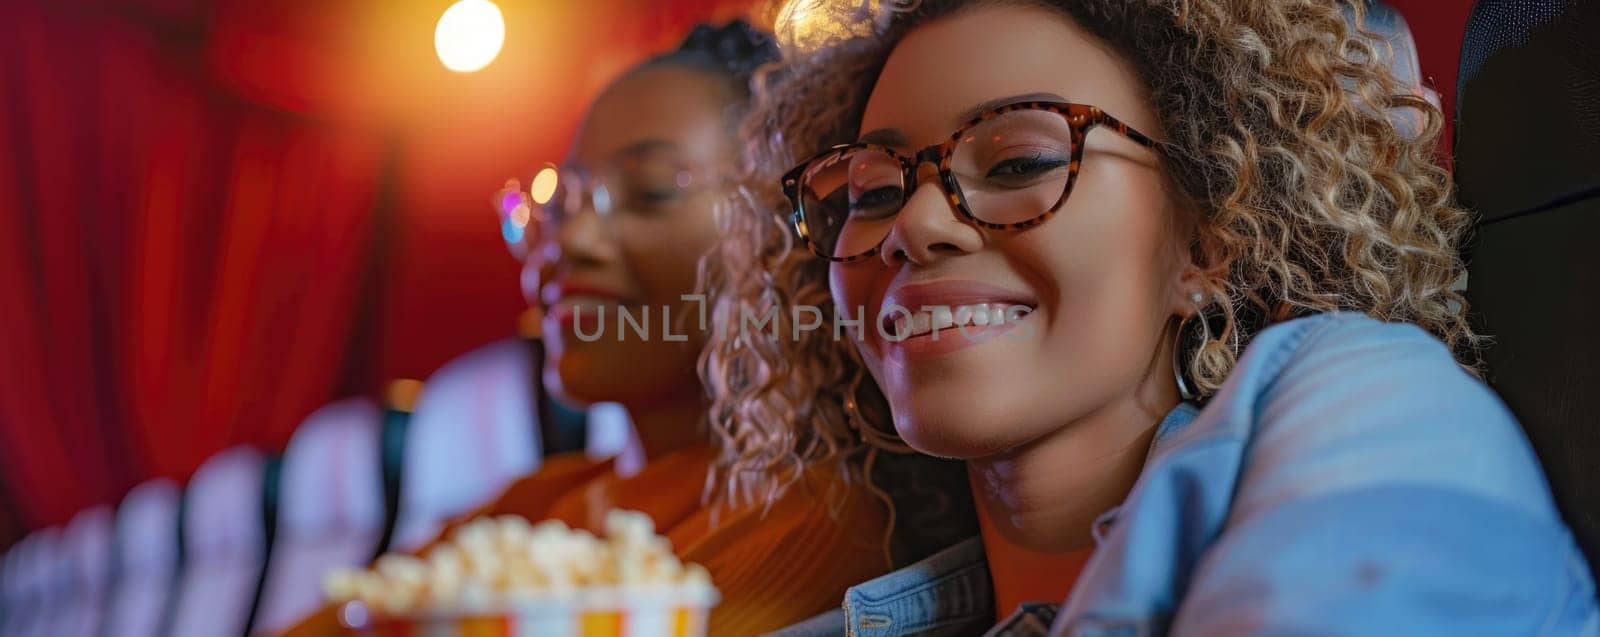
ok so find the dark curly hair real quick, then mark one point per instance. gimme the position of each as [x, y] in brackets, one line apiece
[733, 50]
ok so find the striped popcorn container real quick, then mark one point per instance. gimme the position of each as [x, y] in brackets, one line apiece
[587, 613]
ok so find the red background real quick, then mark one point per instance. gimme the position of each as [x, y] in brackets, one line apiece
[217, 216]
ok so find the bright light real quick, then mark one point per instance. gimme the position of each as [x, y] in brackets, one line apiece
[544, 185]
[521, 214]
[469, 35]
[805, 25]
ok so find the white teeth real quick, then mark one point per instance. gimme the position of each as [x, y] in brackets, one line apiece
[921, 322]
[944, 317]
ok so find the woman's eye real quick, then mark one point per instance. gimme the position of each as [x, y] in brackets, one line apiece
[881, 201]
[1024, 167]
[651, 197]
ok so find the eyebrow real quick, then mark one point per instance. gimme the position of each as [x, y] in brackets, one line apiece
[894, 137]
[643, 147]
[634, 150]
[979, 109]
[891, 137]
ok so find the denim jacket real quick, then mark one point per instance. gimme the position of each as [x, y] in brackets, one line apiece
[1348, 479]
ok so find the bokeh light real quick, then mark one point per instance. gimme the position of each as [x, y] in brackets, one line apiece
[544, 185]
[509, 200]
[510, 231]
[805, 25]
[469, 35]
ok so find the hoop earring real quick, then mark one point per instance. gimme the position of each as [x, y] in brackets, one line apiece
[852, 410]
[1185, 391]
[874, 437]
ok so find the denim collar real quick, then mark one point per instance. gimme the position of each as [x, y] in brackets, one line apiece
[1175, 421]
[949, 593]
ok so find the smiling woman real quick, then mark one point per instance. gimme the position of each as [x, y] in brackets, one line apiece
[620, 231]
[1220, 396]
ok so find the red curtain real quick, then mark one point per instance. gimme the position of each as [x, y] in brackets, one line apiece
[177, 267]
[216, 216]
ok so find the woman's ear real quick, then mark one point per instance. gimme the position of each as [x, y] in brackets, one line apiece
[1189, 291]
[1195, 275]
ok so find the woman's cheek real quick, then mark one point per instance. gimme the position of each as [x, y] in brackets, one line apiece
[850, 285]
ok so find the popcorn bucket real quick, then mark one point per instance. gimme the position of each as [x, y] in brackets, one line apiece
[596, 612]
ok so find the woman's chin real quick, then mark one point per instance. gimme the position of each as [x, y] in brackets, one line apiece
[584, 379]
[574, 383]
[954, 435]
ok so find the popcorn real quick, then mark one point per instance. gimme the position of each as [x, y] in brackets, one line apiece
[493, 561]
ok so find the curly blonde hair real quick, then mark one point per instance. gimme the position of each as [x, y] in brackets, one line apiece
[1277, 116]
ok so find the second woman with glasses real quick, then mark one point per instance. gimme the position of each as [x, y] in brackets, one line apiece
[1169, 279]
[621, 232]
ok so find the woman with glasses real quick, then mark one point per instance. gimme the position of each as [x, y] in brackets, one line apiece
[620, 234]
[1179, 291]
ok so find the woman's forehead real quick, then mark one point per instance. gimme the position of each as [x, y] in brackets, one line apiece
[655, 109]
[939, 72]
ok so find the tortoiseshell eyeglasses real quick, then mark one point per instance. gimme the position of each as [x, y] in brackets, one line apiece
[1009, 168]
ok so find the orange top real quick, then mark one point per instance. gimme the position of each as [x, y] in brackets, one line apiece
[1022, 575]
[773, 569]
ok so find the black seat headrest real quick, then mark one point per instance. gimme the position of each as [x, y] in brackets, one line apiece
[1528, 159]
[1528, 104]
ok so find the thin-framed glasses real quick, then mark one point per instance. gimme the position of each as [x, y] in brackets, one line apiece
[1007, 169]
[640, 185]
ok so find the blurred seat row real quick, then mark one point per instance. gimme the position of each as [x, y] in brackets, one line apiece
[243, 546]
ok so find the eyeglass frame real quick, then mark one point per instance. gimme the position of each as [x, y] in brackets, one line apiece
[539, 215]
[590, 181]
[1081, 119]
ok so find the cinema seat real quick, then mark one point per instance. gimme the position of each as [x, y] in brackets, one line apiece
[1400, 47]
[14, 585]
[39, 584]
[86, 556]
[145, 544]
[1528, 162]
[330, 511]
[9, 595]
[224, 545]
[473, 432]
